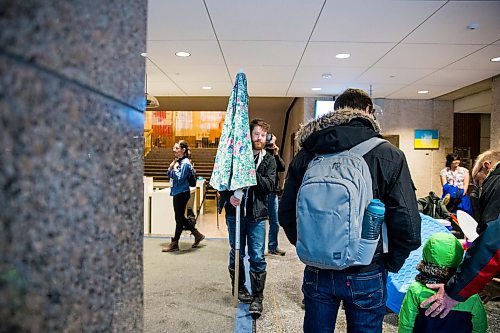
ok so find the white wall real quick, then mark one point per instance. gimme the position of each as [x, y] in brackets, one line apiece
[484, 144]
[402, 117]
[495, 115]
[296, 118]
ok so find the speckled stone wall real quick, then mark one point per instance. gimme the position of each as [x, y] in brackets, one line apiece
[71, 133]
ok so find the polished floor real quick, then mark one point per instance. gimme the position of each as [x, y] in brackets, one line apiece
[211, 224]
[189, 290]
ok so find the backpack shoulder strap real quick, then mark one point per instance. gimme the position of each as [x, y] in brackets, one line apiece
[366, 146]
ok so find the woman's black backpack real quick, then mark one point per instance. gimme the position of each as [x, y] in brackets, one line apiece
[192, 177]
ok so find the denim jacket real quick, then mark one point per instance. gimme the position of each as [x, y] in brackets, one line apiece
[179, 177]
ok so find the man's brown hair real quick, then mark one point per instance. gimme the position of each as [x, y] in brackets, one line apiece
[354, 99]
[259, 122]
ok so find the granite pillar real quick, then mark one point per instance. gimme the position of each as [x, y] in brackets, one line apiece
[71, 157]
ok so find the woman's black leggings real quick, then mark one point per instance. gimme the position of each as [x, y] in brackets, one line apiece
[180, 203]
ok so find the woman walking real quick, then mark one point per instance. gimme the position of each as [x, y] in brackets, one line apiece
[178, 172]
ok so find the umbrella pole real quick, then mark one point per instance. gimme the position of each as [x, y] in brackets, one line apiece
[236, 258]
[217, 208]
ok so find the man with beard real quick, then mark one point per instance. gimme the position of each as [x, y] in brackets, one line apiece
[253, 220]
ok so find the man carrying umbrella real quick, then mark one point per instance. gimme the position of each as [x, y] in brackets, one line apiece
[253, 219]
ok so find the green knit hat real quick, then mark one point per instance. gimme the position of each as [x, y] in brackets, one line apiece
[444, 250]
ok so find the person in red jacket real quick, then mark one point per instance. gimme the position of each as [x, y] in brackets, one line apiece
[482, 261]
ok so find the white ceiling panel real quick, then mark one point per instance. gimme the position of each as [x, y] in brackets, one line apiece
[371, 21]
[267, 88]
[304, 88]
[178, 20]
[339, 75]
[265, 73]
[480, 60]
[431, 56]
[411, 92]
[400, 76]
[153, 73]
[449, 24]
[362, 54]
[392, 44]
[195, 73]
[263, 53]
[460, 77]
[382, 90]
[195, 88]
[202, 53]
[279, 20]
[164, 88]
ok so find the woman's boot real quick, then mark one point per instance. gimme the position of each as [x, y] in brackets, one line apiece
[198, 237]
[258, 281]
[173, 246]
[243, 294]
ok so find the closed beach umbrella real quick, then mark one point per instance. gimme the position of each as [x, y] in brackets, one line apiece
[234, 167]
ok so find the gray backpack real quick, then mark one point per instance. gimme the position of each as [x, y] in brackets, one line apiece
[335, 191]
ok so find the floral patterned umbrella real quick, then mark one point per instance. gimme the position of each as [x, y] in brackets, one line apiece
[234, 166]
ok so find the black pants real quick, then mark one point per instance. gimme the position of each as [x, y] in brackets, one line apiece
[180, 203]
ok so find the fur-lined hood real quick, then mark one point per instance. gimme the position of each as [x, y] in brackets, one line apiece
[338, 117]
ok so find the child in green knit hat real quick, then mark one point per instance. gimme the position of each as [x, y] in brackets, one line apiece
[442, 253]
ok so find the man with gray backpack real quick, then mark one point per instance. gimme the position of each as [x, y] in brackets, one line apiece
[349, 207]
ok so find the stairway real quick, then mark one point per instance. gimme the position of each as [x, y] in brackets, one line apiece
[157, 161]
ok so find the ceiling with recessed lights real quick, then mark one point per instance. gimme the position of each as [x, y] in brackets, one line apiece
[290, 47]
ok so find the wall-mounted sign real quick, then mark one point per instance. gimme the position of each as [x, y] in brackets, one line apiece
[426, 139]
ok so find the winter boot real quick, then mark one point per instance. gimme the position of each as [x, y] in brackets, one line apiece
[258, 281]
[243, 294]
[198, 237]
[173, 246]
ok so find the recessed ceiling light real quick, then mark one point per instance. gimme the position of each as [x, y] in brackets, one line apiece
[342, 56]
[182, 54]
[144, 54]
[423, 91]
[326, 76]
[495, 59]
[206, 88]
[315, 89]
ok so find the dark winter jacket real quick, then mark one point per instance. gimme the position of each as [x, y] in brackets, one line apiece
[255, 197]
[339, 131]
[433, 206]
[482, 260]
[280, 167]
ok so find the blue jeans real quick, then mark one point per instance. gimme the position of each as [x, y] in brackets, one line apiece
[253, 234]
[274, 226]
[363, 296]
